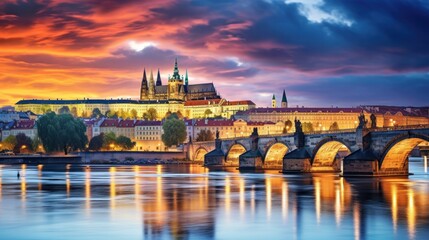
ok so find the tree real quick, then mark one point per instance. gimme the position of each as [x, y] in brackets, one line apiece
[96, 142]
[307, 127]
[204, 135]
[288, 126]
[207, 113]
[96, 113]
[111, 114]
[179, 114]
[124, 143]
[37, 144]
[334, 127]
[109, 141]
[61, 132]
[84, 114]
[151, 114]
[73, 111]
[23, 143]
[64, 110]
[9, 143]
[174, 132]
[133, 113]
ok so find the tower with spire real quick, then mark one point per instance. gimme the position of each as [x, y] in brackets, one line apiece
[151, 91]
[284, 100]
[144, 88]
[175, 85]
[273, 102]
[158, 79]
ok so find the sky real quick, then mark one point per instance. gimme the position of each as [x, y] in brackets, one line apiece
[323, 53]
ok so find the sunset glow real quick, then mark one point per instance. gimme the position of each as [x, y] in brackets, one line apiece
[322, 52]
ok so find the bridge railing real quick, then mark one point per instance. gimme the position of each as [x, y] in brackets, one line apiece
[395, 128]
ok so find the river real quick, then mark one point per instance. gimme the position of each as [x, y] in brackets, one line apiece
[191, 202]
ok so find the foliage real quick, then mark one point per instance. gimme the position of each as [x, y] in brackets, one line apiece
[109, 139]
[96, 142]
[173, 116]
[73, 111]
[288, 126]
[96, 113]
[36, 144]
[133, 113]
[207, 113]
[174, 131]
[9, 143]
[307, 127]
[111, 114]
[124, 143]
[64, 110]
[84, 114]
[179, 114]
[334, 127]
[23, 143]
[204, 135]
[61, 132]
[151, 114]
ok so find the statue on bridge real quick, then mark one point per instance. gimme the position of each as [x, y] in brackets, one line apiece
[298, 125]
[362, 121]
[217, 133]
[373, 121]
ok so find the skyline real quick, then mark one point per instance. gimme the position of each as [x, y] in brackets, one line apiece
[323, 53]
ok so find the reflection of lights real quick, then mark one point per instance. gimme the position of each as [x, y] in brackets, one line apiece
[317, 202]
[112, 171]
[23, 182]
[425, 160]
[136, 185]
[88, 188]
[337, 206]
[0, 181]
[411, 214]
[356, 219]
[227, 195]
[268, 196]
[285, 199]
[242, 197]
[394, 207]
[39, 175]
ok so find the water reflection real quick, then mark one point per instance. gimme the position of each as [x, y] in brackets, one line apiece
[164, 202]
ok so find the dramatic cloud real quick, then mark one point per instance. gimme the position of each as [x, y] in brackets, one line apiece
[323, 52]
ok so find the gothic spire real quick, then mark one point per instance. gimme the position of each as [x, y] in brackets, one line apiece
[158, 79]
[284, 99]
[274, 97]
[176, 74]
[186, 78]
[144, 80]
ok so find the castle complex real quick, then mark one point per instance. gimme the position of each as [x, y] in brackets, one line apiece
[177, 88]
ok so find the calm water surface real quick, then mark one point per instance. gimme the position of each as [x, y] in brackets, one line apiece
[191, 202]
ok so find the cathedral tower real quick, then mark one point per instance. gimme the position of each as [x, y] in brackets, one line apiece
[144, 88]
[273, 102]
[175, 83]
[151, 86]
[284, 100]
[158, 79]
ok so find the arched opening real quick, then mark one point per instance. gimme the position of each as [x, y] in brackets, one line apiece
[396, 156]
[329, 155]
[275, 154]
[234, 153]
[199, 154]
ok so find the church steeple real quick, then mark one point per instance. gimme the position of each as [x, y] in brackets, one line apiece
[186, 78]
[151, 86]
[284, 100]
[176, 74]
[158, 79]
[273, 102]
[144, 88]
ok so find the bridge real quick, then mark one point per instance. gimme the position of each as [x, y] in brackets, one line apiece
[360, 151]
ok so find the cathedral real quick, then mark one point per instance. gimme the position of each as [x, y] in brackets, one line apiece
[177, 88]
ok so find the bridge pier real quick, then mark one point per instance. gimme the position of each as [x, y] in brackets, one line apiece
[297, 161]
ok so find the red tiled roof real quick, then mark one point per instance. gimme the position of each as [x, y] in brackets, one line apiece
[126, 123]
[242, 102]
[148, 123]
[202, 102]
[24, 124]
[109, 123]
[305, 110]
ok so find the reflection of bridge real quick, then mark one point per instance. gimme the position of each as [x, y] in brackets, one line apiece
[364, 151]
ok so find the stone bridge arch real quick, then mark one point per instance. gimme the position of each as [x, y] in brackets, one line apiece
[233, 154]
[325, 153]
[200, 153]
[275, 153]
[395, 155]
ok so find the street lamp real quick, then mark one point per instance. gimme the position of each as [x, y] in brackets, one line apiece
[112, 146]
